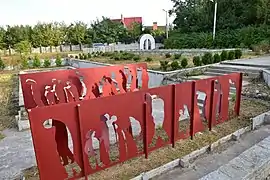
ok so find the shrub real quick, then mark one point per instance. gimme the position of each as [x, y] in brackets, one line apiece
[58, 61]
[85, 56]
[184, 62]
[36, 62]
[207, 58]
[76, 57]
[175, 65]
[238, 53]
[81, 56]
[136, 58]
[224, 55]
[24, 63]
[117, 58]
[217, 58]
[231, 55]
[197, 61]
[164, 65]
[2, 65]
[47, 63]
[149, 59]
[89, 56]
[168, 55]
[177, 56]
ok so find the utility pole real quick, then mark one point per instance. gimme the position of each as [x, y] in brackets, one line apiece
[167, 28]
[215, 19]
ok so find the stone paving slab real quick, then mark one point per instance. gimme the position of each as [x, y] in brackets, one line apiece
[246, 164]
[16, 153]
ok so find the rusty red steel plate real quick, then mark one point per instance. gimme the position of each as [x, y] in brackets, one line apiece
[111, 130]
[55, 159]
[63, 86]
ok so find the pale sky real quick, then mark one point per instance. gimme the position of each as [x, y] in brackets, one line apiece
[31, 11]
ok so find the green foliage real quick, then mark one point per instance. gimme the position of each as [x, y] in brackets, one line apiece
[58, 61]
[184, 62]
[24, 63]
[149, 59]
[263, 46]
[217, 58]
[238, 54]
[207, 58]
[85, 56]
[231, 55]
[81, 56]
[197, 15]
[47, 63]
[23, 47]
[175, 65]
[164, 65]
[197, 61]
[36, 62]
[89, 55]
[136, 58]
[117, 57]
[224, 55]
[245, 37]
[168, 55]
[2, 65]
[126, 55]
[177, 56]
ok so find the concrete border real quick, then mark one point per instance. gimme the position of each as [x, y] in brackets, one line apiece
[184, 162]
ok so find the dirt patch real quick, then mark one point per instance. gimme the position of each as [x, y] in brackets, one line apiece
[8, 109]
[249, 108]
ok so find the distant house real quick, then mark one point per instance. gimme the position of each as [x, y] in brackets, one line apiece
[128, 21]
[155, 27]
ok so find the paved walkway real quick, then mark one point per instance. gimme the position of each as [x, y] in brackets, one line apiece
[263, 62]
[16, 153]
[212, 162]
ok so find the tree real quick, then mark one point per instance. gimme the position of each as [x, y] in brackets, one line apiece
[23, 47]
[76, 33]
[135, 31]
[2, 65]
[106, 31]
[2, 38]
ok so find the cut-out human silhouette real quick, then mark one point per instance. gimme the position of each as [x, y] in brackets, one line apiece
[36, 94]
[66, 157]
[159, 132]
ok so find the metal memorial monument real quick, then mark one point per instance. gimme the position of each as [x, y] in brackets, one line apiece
[108, 112]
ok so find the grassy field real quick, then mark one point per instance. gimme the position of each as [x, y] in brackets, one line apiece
[250, 108]
[7, 109]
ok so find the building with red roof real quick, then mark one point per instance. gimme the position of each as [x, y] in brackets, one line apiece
[128, 21]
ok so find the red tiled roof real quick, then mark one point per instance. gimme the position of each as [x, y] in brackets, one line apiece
[129, 21]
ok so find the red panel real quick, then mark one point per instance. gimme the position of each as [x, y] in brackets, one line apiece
[221, 96]
[185, 94]
[159, 116]
[51, 142]
[49, 88]
[106, 119]
[202, 89]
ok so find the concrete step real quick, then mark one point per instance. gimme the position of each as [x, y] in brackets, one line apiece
[229, 71]
[228, 65]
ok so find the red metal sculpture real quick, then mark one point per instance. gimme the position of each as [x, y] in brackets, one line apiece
[50, 88]
[114, 128]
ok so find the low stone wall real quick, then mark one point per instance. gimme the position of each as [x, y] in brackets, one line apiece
[195, 52]
[266, 76]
